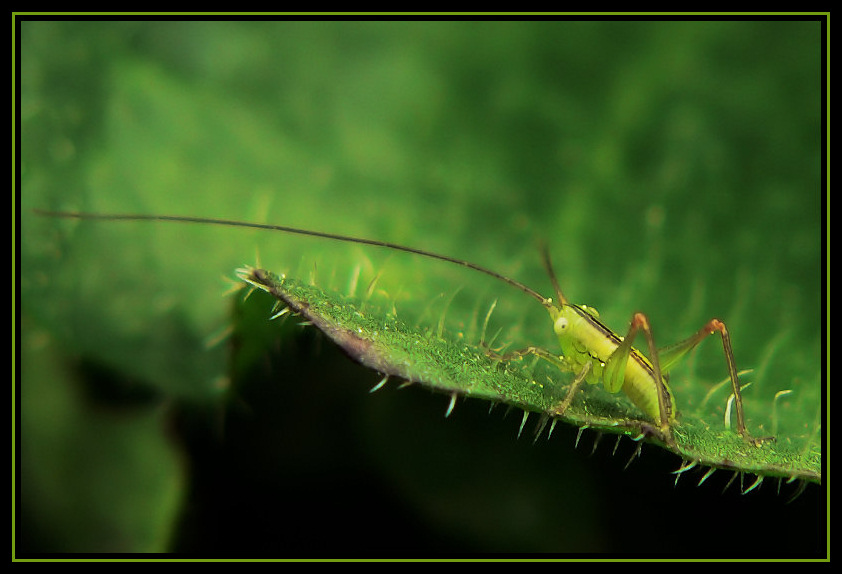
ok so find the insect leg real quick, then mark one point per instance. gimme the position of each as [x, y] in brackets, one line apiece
[558, 362]
[615, 368]
[555, 360]
[574, 386]
[537, 351]
[672, 354]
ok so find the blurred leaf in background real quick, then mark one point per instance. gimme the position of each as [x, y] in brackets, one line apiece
[673, 168]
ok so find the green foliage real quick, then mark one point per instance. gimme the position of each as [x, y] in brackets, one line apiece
[672, 167]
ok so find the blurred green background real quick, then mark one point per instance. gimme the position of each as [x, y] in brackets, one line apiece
[673, 168]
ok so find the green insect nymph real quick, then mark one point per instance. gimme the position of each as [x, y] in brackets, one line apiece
[587, 345]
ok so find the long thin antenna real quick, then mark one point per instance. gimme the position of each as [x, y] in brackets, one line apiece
[269, 227]
[548, 265]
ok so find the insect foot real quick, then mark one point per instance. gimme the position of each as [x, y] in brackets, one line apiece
[661, 433]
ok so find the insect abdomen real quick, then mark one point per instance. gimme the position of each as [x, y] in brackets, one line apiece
[640, 386]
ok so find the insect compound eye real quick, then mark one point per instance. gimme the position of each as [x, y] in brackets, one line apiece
[560, 325]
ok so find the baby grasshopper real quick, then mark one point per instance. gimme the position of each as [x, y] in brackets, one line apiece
[588, 348]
